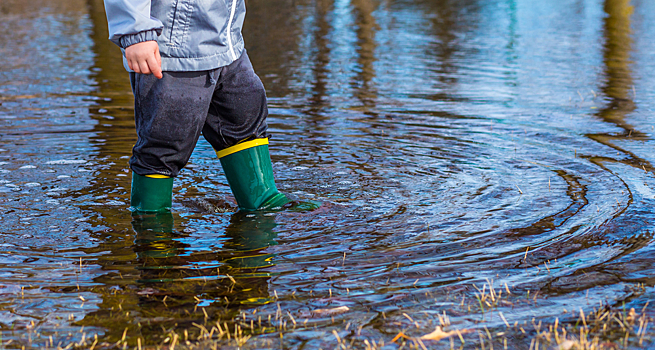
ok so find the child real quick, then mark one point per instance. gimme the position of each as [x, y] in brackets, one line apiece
[190, 74]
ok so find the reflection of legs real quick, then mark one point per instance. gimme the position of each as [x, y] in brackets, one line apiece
[163, 257]
[169, 114]
[236, 128]
[250, 234]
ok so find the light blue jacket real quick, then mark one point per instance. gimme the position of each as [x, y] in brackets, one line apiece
[193, 35]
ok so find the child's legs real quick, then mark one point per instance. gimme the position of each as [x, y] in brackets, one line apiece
[238, 108]
[169, 114]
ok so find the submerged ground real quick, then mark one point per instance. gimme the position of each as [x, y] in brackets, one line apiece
[485, 166]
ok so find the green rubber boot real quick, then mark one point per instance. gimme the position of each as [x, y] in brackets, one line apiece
[249, 172]
[151, 193]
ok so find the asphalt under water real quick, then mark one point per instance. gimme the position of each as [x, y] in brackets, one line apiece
[452, 143]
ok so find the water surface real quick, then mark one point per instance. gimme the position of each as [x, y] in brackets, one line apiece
[451, 143]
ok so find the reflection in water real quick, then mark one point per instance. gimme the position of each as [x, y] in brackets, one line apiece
[618, 87]
[367, 28]
[174, 284]
[619, 92]
[618, 48]
[321, 57]
[446, 26]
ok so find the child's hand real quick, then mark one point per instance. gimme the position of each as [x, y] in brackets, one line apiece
[144, 58]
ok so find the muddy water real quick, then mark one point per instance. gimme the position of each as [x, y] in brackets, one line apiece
[451, 143]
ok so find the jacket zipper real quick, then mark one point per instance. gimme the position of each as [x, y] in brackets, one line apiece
[170, 40]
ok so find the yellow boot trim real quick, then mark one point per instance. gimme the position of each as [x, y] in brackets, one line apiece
[241, 146]
[157, 176]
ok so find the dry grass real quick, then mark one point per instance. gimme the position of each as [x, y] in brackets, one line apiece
[603, 328]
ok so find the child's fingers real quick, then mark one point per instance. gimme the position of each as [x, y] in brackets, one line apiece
[134, 65]
[130, 63]
[154, 66]
[144, 58]
[158, 56]
[144, 67]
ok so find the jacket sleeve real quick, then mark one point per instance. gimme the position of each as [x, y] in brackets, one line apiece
[130, 22]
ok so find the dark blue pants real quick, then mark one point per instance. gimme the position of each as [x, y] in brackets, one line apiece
[227, 105]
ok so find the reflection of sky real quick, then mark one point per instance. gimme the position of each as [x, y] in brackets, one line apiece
[403, 65]
[343, 50]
